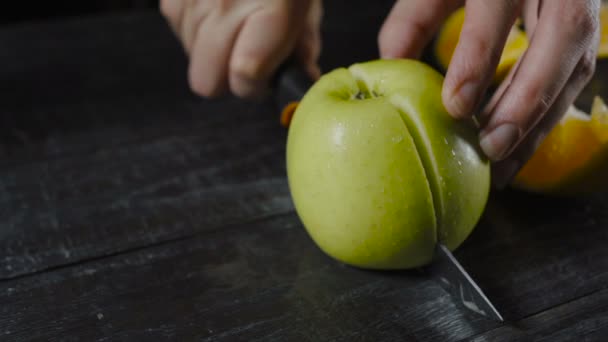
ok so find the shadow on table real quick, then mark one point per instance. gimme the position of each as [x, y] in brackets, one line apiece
[532, 252]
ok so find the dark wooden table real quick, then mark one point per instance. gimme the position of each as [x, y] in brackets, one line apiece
[132, 210]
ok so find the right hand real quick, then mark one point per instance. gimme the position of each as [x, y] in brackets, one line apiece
[539, 89]
[237, 45]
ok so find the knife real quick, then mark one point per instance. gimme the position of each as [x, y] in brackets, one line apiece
[456, 281]
[290, 84]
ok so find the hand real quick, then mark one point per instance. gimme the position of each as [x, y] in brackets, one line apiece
[236, 45]
[564, 36]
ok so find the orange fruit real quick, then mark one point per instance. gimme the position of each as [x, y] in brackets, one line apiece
[449, 34]
[287, 113]
[573, 158]
[517, 41]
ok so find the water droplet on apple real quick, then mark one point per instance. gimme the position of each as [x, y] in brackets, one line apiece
[397, 138]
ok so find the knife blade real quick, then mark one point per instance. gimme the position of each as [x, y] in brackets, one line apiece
[290, 84]
[455, 280]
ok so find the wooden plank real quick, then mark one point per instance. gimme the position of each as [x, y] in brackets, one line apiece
[267, 280]
[531, 253]
[121, 162]
[584, 319]
[75, 208]
[261, 281]
[104, 148]
[118, 156]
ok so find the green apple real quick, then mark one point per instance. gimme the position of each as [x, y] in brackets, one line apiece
[378, 170]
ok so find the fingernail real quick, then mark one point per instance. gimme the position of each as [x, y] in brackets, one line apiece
[463, 102]
[503, 174]
[498, 142]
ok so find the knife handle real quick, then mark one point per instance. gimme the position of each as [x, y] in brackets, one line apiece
[290, 84]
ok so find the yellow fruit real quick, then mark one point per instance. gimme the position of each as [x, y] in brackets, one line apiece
[448, 37]
[573, 158]
[603, 48]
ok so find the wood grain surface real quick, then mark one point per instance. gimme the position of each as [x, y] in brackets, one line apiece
[132, 210]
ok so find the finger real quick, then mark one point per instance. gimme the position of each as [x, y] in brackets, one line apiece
[191, 19]
[483, 116]
[266, 39]
[211, 46]
[172, 11]
[308, 47]
[530, 13]
[411, 24]
[484, 33]
[504, 170]
[561, 37]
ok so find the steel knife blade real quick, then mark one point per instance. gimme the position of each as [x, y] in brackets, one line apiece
[290, 84]
[455, 280]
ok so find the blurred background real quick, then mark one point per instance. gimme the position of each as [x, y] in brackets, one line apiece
[23, 11]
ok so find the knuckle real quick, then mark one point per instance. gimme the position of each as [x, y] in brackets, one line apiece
[420, 28]
[588, 24]
[538, 96]
[542, 104]
[246, 68]
[482, 47]
[584, 21]
[279, 15]
[223, 6]
[486, 51]
[203, 87]
[244, 90]
[587, 64]
[476, 59]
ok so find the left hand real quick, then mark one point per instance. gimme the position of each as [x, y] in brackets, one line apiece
[564, 36]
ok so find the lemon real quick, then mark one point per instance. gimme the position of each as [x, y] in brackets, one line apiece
[602, 51]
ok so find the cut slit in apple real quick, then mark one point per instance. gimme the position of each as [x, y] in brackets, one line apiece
[369, 88]
[379, 171]
[436, 136]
